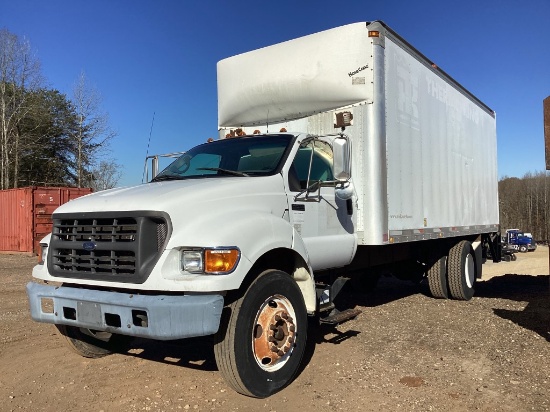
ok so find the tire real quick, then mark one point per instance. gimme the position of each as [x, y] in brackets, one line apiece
[523, 249]
[437, 279]
[94, 344]
[461, 271]
[513, 257]
[262, 337]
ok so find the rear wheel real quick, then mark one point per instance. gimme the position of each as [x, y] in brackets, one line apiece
[437, 279]
[262, 338]
[94, 344]
[461, 271]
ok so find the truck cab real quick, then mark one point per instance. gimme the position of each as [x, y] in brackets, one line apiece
[161, 260]
[523, 242]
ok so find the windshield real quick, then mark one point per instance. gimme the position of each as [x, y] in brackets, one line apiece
[244, 156]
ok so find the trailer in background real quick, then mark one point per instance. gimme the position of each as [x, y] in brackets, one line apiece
[26, 215]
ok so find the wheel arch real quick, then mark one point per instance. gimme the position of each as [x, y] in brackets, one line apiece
[290, 262]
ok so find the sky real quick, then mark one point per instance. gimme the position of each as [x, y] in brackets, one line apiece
[154, 62]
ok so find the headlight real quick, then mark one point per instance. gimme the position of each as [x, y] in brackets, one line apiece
[218, 261]
[192, 261]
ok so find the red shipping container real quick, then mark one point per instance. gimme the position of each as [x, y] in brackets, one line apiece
[26, 215]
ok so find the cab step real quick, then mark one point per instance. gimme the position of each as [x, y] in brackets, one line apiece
[340, 317]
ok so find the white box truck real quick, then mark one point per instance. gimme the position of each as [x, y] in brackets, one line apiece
[388, 166]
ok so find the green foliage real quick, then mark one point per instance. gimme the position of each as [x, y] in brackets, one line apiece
[46, 158]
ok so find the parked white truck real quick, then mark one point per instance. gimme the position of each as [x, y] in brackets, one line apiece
[389, 166]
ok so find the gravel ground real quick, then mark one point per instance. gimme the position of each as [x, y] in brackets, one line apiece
[406, 351]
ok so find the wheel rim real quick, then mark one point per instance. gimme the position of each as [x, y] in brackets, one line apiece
[469, 271]
[274, 333]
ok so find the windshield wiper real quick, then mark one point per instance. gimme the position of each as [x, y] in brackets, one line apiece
[226, 171]
[162, 178]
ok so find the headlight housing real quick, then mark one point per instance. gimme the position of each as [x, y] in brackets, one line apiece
[210, 261]
[192, 261]
[43, 253]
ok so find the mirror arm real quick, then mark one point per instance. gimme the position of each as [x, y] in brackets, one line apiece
[315, 186]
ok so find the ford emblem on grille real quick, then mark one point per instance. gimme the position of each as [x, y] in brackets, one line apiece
[89, 246]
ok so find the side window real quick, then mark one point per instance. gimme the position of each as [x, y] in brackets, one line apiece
[321, 167]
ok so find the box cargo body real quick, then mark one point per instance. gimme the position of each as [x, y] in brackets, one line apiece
[26, 215]
[424, 148]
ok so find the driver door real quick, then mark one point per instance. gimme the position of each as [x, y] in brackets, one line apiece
[324, 221]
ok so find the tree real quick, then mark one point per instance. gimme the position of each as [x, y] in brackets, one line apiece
[46, 156]
[92, 133]
[524, 204]
[44, 137]
[105, 175]
[19, 75]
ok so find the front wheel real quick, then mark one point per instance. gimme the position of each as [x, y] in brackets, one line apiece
[523, 249]
[94, 344]
[262, 337]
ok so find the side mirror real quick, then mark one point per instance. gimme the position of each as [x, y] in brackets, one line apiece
[345, 191]
[341, 149]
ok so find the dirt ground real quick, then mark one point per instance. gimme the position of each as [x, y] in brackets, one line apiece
[406, 351]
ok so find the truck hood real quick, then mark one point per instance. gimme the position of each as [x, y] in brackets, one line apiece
[176, 195]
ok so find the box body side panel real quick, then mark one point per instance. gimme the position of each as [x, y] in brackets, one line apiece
[441, 150]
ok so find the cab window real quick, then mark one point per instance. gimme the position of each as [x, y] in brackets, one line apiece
[321, 167]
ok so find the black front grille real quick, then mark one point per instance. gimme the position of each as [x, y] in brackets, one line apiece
[101, 261]
[107, 246]
[98, 230]
[162, 233]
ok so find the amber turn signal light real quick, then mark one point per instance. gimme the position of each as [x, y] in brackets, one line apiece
[220, 261]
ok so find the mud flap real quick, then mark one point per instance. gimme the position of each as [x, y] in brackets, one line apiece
[478, 253]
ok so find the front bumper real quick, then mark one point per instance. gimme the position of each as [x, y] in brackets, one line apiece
[161, 317]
